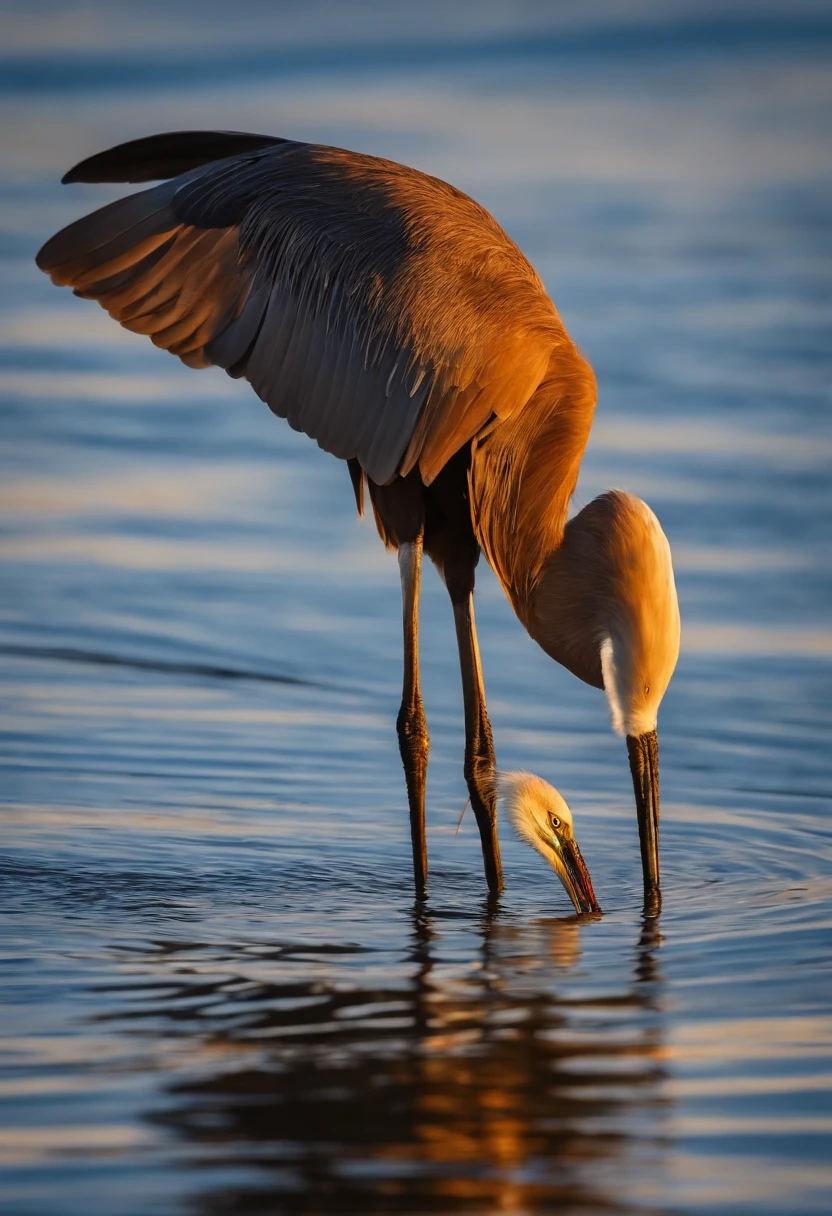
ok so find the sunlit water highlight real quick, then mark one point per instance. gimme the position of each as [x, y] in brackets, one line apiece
[218, 995]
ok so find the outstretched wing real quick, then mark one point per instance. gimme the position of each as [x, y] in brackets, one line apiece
[379, 310]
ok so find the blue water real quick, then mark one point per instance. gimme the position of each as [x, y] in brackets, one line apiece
[218, 995]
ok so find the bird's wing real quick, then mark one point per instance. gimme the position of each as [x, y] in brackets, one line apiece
[377, 309]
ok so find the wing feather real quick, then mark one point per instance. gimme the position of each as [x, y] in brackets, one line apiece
[152, 282]
[159, 156]
[127, 284]
[121, 223]
[378, 310]
[230, 346]
[271, 350]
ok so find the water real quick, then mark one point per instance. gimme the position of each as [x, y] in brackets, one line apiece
[218, 995]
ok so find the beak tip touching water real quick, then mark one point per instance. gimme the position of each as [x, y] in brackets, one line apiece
[575, 878]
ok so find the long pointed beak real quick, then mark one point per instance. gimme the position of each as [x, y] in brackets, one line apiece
[570, 867]
[643, 751]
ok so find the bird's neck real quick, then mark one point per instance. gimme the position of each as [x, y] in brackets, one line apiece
[523, 474]
[567, 610]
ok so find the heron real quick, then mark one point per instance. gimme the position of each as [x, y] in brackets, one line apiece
[388, 316]
[541, 816]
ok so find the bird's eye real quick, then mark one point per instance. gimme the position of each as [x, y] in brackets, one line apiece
[646, 689]
[555, 822]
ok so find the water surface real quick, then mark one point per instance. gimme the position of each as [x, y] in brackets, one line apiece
[218, 993]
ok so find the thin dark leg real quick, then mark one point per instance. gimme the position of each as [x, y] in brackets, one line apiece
[411, 724]
[479, 746]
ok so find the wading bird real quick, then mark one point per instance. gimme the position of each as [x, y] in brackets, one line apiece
[388, 316]
[539, 815]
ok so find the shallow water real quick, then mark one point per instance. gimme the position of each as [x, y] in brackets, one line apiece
[218, 995]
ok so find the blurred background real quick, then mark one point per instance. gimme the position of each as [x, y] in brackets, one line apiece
[217, 994]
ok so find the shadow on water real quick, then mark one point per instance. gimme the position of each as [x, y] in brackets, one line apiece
[98, 658]
[467, 1086]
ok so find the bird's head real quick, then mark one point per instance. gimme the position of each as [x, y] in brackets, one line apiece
[540, 816]
[606, 608]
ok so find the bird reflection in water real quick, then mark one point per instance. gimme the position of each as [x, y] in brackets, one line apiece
[463, 1087]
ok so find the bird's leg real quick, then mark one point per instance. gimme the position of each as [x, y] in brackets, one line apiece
[411, 723]
[479, 746]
